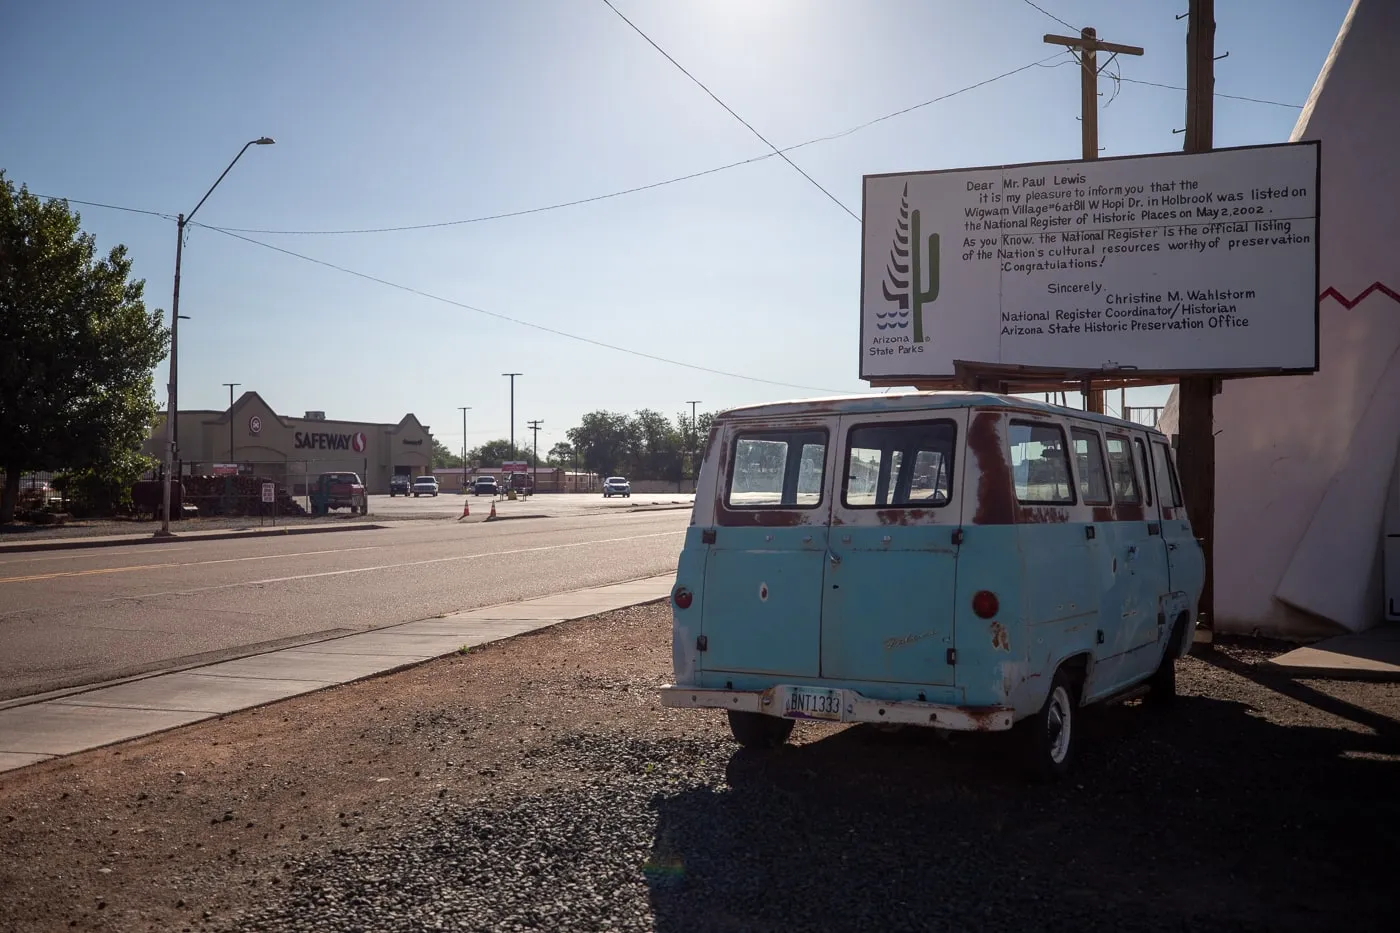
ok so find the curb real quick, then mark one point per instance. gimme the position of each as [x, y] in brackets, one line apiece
[63, 544]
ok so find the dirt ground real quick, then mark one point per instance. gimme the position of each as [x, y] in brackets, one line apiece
[538, 784]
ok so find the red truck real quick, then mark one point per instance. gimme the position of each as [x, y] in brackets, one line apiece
[339, 491]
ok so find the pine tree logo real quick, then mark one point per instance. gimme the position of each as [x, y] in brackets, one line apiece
[904, 278]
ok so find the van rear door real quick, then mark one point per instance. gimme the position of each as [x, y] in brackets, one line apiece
[891, 570]
[762, 602]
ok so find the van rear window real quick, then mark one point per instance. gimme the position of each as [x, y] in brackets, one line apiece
[777, 469]
[900, 465]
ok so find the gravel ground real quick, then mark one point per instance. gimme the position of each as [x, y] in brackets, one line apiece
[537, 785]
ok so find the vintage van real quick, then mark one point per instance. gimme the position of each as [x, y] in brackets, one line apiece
[955, 560]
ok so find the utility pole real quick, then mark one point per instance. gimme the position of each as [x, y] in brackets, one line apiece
[465, 409]
[231, 386]
[1196, 394]
[512, 411]
[694, 467]
[535, 426]
[1088, 46]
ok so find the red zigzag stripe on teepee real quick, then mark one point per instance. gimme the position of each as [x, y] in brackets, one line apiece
[1373, 287]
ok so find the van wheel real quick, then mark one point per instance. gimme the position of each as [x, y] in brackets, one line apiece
[755, 730]
[1049, 738]
[1161, 687]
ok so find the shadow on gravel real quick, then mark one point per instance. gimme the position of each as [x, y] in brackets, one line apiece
[1203, 817]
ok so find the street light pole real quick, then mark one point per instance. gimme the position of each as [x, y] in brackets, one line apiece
[512, 411]
[535, 482]
[231, 386]
[694, 467]
[172, 407]
[465, 409]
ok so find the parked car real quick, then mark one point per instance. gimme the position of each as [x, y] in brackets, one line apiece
[995, 564]
[338, 491]
[484, 486]
[616, 486]
[425, 486]
[400, 485]
[522, 482]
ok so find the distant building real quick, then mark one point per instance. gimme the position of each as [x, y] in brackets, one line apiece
[289, 450]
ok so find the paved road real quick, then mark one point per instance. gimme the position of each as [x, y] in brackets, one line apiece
[391, 507]
[77, 617]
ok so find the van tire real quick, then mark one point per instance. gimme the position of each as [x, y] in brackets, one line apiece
[1050, 737]
[1161, 686]
[755, 730]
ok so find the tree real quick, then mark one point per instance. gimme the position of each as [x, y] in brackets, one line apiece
[493, 453]
[77, 346]
[442, 457]
[658, 447]
[603, 441]
[561, 455]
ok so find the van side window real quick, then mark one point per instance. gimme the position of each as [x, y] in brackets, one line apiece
[1143, 469]
[1120, 467]
[897, 465]
[1088, 459]
[1040, 464]
[783, 469]
[1168, 488]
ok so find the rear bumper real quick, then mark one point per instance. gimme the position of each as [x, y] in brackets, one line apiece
[854, 707]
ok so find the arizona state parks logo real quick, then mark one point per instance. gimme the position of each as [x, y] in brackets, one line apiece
[904, 274]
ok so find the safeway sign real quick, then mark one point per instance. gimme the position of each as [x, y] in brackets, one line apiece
[1203, 262]
[319, 440]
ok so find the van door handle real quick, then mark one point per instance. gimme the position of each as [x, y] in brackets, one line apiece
[1153, 528]
[831, 555]
[1171, 547]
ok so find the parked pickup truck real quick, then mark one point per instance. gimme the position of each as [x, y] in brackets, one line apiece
[400, 485]
[338, 491]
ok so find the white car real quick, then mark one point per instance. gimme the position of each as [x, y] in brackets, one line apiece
[617, 486]
[425, 486]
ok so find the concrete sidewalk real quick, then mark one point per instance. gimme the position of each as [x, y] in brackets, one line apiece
[101, 716]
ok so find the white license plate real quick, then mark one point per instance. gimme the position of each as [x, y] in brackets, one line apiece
[813, 703]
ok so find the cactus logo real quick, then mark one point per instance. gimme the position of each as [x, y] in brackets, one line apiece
[904, 278]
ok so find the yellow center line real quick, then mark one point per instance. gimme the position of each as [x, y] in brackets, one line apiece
[170, 566]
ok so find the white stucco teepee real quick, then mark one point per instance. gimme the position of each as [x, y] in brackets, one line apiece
[1306, 466]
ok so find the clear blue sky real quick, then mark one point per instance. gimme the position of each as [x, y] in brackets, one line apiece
[421, 112]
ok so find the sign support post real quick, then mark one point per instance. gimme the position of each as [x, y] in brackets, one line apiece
[1088, 46]
[1196, 395]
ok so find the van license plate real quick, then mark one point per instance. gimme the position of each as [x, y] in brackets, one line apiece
[813, 703]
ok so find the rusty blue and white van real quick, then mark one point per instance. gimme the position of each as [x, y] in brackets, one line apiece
[955, 560]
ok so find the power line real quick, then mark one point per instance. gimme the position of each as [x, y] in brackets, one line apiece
[778, 152]
[505, 317]
[1252, 100]
[669, 181]
[110, 207]
[1042, 9]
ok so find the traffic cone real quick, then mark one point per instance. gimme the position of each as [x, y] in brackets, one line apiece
[466, 510]
[493, 510]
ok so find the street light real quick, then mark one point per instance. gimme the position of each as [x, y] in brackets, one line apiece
[172, 409]
[512, 411]
[465, 409]
[694, 467]
[231, 387]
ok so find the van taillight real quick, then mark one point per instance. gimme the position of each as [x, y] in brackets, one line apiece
[985, 604]
[682, 597]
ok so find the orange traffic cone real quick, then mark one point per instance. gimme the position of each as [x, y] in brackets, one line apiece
[466, 510]
[493, 510]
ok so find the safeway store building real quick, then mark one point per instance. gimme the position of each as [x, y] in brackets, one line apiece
[290, 450]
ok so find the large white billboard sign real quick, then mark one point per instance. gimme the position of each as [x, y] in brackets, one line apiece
[1203, 262]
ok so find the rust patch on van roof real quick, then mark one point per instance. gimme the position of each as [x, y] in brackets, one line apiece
[994, 487]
